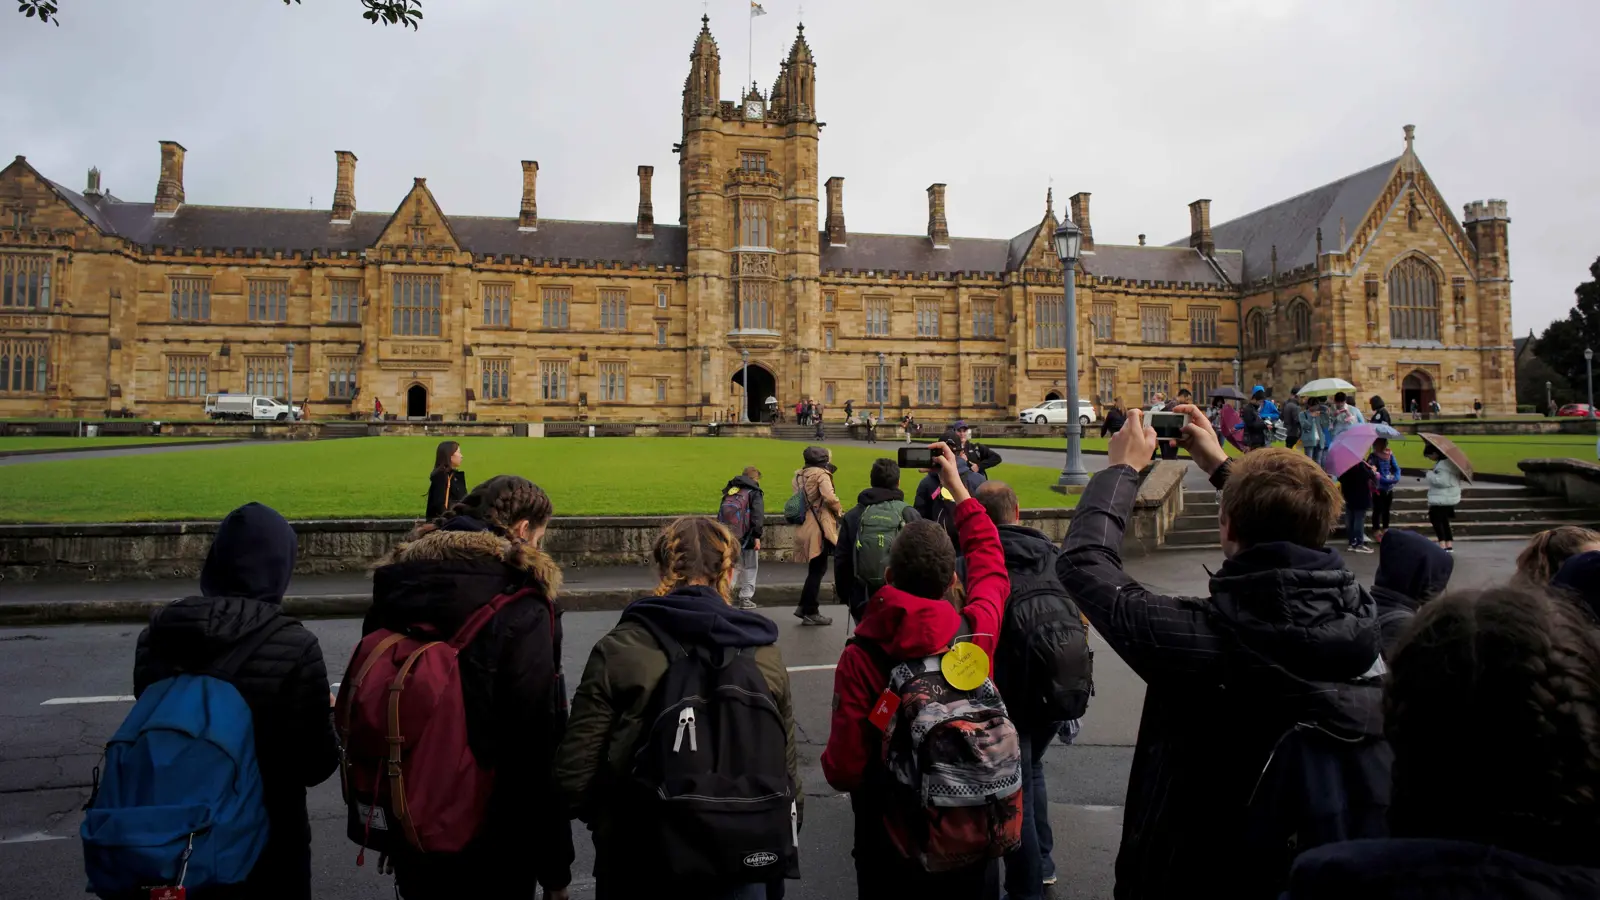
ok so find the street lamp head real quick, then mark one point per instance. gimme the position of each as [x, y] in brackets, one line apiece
[1588, 353]
[1069, 242]
[880, 357]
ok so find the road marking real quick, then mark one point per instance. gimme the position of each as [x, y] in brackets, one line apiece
[827, 668]
[33, 838]
[72, 701]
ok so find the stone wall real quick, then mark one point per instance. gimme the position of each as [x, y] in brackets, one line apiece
[1576, 481]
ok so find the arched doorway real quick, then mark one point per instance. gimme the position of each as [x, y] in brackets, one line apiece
[762, 386]
[417, 402]
[1417, 388]
[1053, 395]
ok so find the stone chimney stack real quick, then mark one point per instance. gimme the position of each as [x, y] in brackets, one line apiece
[1080, 217]
[92, 189]
[647, 215]
[1141, 240]
[344, 187]
[1200, 228]
[529, 218]
[835, 224]
[169, 189]
[938, 229]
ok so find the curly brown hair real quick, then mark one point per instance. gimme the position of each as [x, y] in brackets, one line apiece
[1493, 711]
[695, 548]
[1542, 558]
[502, 502]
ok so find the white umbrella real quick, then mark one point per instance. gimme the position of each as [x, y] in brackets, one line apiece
[1325, 386]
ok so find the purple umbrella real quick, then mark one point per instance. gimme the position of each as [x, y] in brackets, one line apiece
[1351, 446]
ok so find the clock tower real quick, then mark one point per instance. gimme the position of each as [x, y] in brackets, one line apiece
[748, 190]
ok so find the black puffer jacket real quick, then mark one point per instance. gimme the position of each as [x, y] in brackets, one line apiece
[1411, 570]
[1422, 869]
[445, 490]
[285, 682]
[1287, 636]
[516, 702]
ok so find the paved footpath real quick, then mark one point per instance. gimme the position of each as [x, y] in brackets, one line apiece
[63, 692]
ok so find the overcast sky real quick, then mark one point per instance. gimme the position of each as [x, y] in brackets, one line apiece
[1148, 104]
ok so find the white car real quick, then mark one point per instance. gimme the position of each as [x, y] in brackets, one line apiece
[1054, 411]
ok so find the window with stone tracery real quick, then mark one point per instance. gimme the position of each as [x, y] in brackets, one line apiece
[1300, 322]
[1413, 302]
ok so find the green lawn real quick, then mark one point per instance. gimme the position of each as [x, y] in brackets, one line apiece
[95, 443]
[387, 477]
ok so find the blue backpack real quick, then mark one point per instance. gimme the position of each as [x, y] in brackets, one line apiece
[180, 801]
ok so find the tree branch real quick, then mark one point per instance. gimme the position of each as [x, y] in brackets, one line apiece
[405, 13]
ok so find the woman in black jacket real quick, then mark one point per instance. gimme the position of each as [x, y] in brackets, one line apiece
[447, 484]
[515, 700]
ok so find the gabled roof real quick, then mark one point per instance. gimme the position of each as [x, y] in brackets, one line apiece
[1292, 224]
[1146, 263]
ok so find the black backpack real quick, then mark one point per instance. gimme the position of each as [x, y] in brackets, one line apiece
[1045, 668]
[711, 772]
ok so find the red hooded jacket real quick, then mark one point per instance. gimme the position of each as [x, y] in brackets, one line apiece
[911, 627]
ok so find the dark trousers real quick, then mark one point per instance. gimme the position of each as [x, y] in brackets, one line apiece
[1355, 519]
[1290, 441]
[1030, 864]
[1382, 505]
[817, 568]
[1440, 516]
[883, 874]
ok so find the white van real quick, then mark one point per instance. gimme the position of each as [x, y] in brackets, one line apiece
[1054, 411]
[248, 406]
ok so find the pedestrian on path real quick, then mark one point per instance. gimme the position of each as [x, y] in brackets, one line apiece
[1113, 420]
[1382, 461]
[816, 537]
[447, 484]
[743, 511]
[613, 745]
[283, 680]
[1444, 495]
[1286, 639]
[861, 557]
[1530, 664]
[511, 683]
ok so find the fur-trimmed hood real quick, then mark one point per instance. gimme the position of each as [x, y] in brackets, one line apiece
[438, 577]
[441, 545]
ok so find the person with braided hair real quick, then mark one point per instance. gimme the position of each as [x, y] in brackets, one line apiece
[696, 558]
[482, 547]
[1548, 550]
[1492, 709]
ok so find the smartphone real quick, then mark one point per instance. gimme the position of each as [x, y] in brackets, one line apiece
[916, 457]
[1168, 425]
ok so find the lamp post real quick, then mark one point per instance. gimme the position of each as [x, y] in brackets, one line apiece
[744, 357]
[289, 352]
[1236, 382]
[882, 386]
[1588, 364]
[1549, 400]
[1069, 241]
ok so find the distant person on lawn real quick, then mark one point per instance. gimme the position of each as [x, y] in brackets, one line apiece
[447, 484]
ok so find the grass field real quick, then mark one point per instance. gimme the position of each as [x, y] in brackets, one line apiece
[1490, 453]
[96, 443]
[387, 477]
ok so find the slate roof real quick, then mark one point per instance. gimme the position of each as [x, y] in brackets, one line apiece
[915, 253]
[1161, 264]
[1292, 224]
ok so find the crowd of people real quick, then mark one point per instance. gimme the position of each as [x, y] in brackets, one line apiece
[1303, 735]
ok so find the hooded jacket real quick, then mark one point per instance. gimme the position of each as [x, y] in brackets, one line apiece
[1428, 869]
[608, 709]
[1411, 571]
[931, 506]
[285, 682]
[514, 696]
[1286, 637]
[1444, 484]
[1388, 470]
[1030, 560]
[851, 592]
[1580, 577]
[758, 507]
[906, 626]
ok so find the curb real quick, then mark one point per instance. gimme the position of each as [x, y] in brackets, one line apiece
[327, 606]
[154, 442]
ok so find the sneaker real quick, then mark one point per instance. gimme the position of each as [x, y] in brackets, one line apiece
[815, 619]
[1048, 882]
[745, 604]
[1363, 548]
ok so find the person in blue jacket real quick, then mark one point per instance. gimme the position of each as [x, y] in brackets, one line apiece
[1382, 459]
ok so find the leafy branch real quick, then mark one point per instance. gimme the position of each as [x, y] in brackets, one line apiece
[405, 13]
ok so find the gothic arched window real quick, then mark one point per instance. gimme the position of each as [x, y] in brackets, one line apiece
[1413, 301]
[1255, 331]
[1300, 322]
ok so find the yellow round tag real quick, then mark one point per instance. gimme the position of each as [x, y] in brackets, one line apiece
[965, 666]
[944, 493]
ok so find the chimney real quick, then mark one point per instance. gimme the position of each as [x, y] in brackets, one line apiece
[92, 190]
[529, 219]
[938, 230]
[835, 224]
[1080, 217]
[169, 189]
[344, 187]
[1200, 228]
[647, 216]
[1141, 240]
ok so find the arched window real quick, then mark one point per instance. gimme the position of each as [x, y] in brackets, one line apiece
[1413, 301]
[1255, 331]
[1300, 322]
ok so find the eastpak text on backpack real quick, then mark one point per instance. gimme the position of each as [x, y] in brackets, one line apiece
[178, 802]
[880, 524]
[410, 778]
[954, 767]
[735, 512]
[712, 800]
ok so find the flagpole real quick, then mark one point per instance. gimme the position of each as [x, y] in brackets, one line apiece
[750, 51]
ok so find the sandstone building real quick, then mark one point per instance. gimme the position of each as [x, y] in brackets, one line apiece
[108, 304]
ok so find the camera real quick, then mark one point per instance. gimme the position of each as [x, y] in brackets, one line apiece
[916, 457]
[1168, 425]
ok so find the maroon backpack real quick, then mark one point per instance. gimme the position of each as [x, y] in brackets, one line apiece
[410, 778]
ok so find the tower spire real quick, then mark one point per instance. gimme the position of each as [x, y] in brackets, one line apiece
[702, 90]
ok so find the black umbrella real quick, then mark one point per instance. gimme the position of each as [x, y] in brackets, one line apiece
[1229, 393]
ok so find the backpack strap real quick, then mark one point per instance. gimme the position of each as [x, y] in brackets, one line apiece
[481, 616]
[879, 656]
[669, 645]
[227, 666]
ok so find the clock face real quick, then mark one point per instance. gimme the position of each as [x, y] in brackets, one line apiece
[752, 109]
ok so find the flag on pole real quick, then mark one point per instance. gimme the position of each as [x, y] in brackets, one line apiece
[756, 10]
